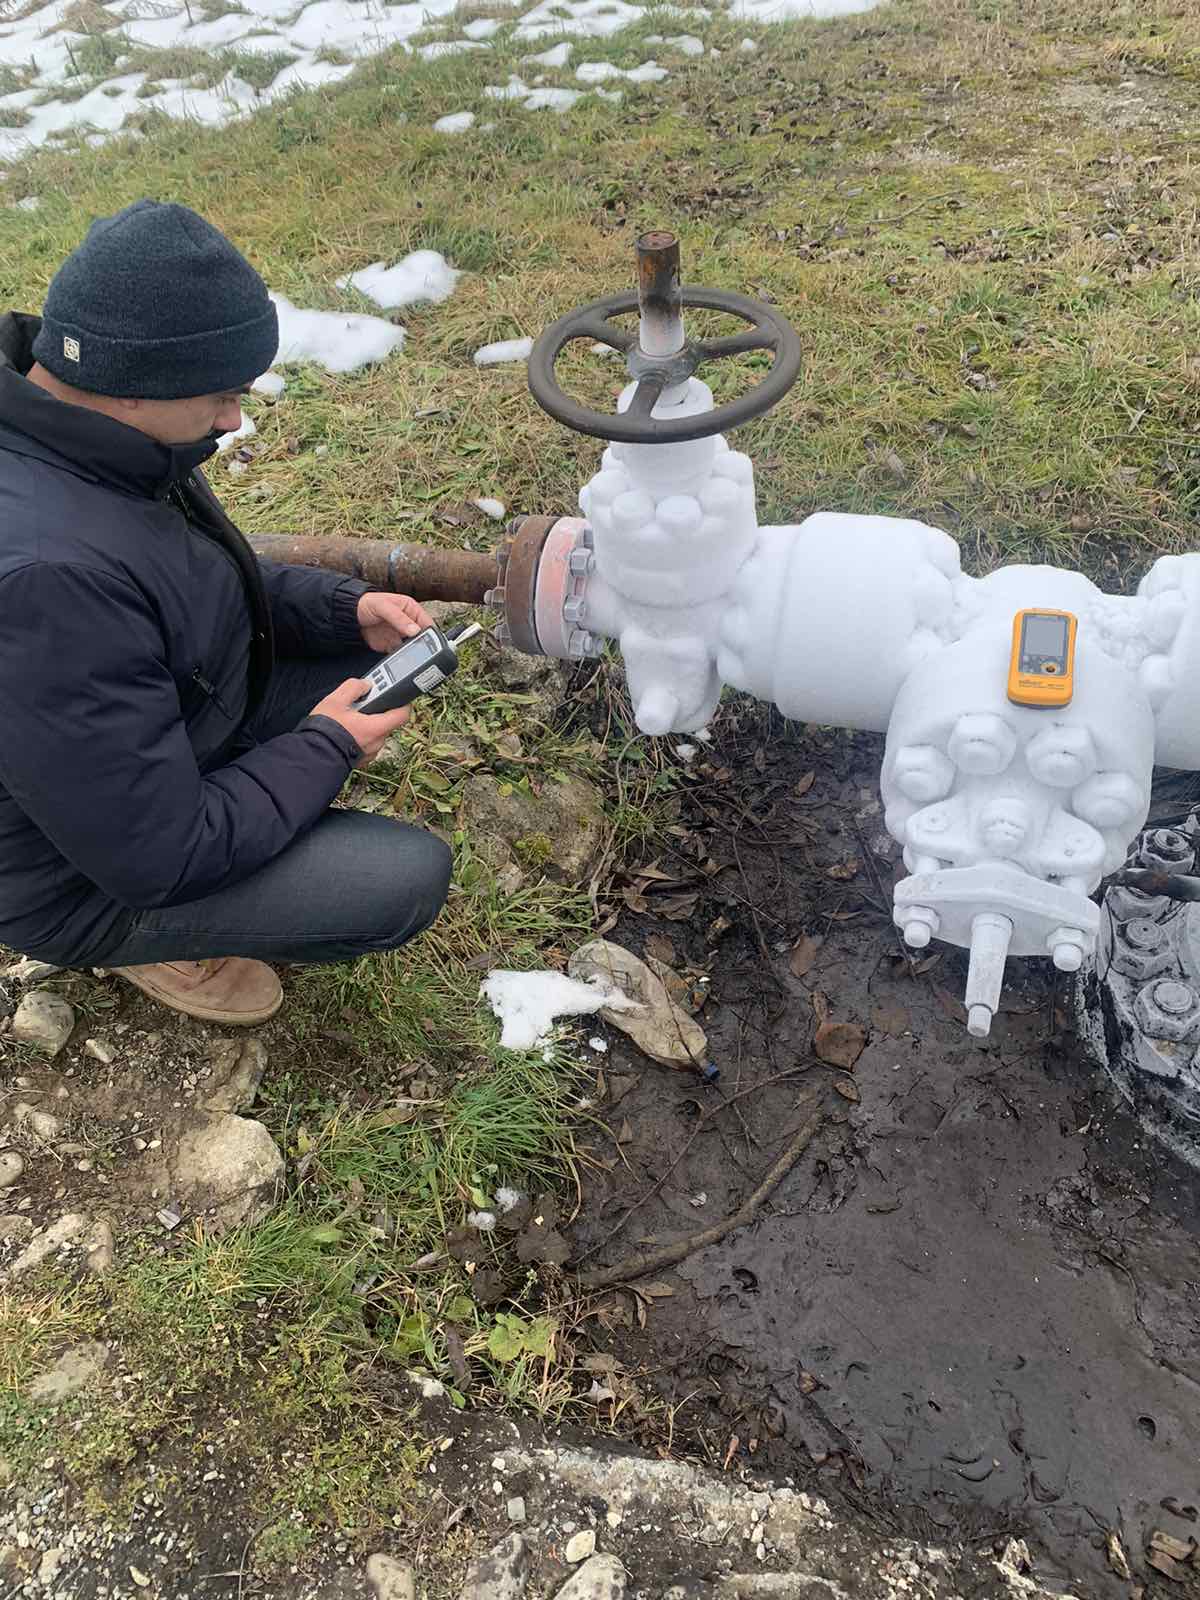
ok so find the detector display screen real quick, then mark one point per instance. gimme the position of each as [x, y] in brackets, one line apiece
[415, 653]
[1044, 638]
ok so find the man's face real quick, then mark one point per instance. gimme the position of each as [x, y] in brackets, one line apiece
[188, 421]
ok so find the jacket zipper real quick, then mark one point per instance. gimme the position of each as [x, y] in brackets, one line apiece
[209, 689]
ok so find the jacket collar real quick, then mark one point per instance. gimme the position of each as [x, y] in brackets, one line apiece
[96, 445]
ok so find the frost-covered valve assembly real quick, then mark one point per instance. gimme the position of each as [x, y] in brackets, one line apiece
[1009, 813]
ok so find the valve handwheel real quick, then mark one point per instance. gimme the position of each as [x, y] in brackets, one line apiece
[660, 301]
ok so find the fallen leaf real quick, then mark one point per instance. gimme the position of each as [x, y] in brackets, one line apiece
[848, 1089]
[1117, 1559]
[950, 1004]
[805, 783]
[889, 1016]
[840, 1043]
[804, 954]
[677, 908]
[718, 927]
[732, 1451]
[844, 870]
[1177, 1549]
[1164, 1564]
[660, 948]
[654, 1291]
[809, 1382]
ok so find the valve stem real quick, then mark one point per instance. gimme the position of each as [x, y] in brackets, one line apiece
[660, 299]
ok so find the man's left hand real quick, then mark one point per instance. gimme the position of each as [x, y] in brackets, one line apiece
[387, 620]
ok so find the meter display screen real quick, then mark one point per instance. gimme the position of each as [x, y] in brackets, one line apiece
[1043, 639]
[423, 648]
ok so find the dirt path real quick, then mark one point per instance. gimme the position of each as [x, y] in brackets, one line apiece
[972, 1308]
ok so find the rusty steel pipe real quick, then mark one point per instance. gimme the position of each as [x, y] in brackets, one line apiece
[660, 298]
[419, 570]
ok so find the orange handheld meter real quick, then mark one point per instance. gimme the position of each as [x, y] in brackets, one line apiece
[1041, 671]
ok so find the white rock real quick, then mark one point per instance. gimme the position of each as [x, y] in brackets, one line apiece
[12, 1166]
[52, 1563]
[581, 1546]
[44, 1020]
[228, 1166]
[238, 1066]
[516, 1509]
[601, 1578]
[74, 1370]
[389, 1579]
[27, 970]
[43, 1125]
[68, 1230]
[100, 1051]
[15, 1229]
[99, 1247]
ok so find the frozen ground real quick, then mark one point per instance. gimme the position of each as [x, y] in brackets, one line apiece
[48, 55]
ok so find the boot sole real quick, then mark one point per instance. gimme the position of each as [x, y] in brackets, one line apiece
[203, 1013]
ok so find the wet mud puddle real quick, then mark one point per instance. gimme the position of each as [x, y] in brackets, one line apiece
[973, 1307]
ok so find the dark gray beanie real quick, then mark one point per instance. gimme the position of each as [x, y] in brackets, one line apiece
[156, 304]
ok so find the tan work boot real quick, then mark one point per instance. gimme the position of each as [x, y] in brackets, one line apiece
[232, 990]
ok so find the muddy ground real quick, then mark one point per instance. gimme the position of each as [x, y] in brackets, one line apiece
[972, 1308]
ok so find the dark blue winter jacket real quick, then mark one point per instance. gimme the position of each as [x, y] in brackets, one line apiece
[137, 632]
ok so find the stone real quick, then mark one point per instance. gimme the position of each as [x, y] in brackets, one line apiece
[12, 1166]
[580, 1546]
[229, 1169]
[47, 1242]
[557, 833]
[43, 1125]
[7, 1473]
[516, 1509]
[74, 1370]
[100, 1051]
[15, 1229]
[27, 970]
[44, 1020]
[51, 1564]
[501, 1574]
[601, 1578]
[99, 1247]
[389, 1579]
[238, 1067]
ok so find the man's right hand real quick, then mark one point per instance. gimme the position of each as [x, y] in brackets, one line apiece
[369, 733]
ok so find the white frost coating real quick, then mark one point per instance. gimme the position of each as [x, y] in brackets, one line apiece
[336, 340]
[1008, 815]
[553, 99]
[246, 430]
[456, 122]
[749, 46]
[269, 383]
[528, 1003]
[494, 355]
[482, 28]
[491, 508]
[602, 71]
[558, 56]
[424, 277]
[31, 202]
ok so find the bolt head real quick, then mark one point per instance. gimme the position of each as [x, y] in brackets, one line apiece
[582, 562]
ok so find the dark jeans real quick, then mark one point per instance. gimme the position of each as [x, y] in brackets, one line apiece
[353, 884]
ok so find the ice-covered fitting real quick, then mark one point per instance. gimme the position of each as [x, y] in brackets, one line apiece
[1008, 815]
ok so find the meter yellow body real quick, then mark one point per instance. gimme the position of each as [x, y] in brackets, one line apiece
[1041, 671]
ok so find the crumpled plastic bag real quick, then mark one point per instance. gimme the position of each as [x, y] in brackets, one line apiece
[659, 1027]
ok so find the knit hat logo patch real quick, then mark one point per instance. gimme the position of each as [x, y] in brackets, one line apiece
[71, 349]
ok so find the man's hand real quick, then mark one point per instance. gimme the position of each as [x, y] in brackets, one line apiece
[369, 733]
[387, 620]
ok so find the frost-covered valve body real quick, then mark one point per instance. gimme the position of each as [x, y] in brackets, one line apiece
[1008, 814]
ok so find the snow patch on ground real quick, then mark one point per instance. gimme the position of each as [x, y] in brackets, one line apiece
[603, 71]
[527, 1004]
[491, 508]
[424, 277]
[337, 340]
[456, 122]
[245, 431]
[495, 355]
[270, 383]
[43, 48]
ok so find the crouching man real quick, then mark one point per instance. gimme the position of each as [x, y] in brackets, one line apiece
[175, 717]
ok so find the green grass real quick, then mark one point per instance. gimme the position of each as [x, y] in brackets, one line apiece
[987, 242]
